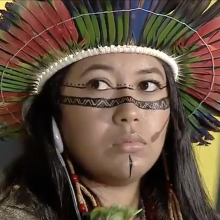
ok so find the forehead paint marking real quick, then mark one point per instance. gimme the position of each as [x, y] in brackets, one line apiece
[160, 104]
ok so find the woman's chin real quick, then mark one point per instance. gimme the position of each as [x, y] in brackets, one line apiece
[122, 177]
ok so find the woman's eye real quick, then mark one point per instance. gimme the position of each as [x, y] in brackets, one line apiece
[148, 86]
[99, 85]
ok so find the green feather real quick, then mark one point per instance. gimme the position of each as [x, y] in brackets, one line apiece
[193, 60]
[190, 109]
[113, 213]
[103, 27]
[151, 32]
[163, 35]
[8, 81]
[119, 26]
[177, 35]
[126, 23]
[88, 24]
[16, 78]
[25, 73]
[177, 30]
[95, 26]
[10, 133]
[193, 123]
[81, 27]
[111, 23]
[146, 32]
[14, 86]
[12, 90]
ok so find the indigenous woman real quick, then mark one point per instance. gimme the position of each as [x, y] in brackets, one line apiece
[108, 97]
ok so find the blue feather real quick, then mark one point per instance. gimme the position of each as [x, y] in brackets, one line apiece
[5, 25]
[212, 119]
[204, 116]
[9, 16]
[116, 7]
[125, 5]
[154, 5]
[88, 6]
[139, 18]
[206, 134]
[71, 7]
[133, 17]
[97, 6]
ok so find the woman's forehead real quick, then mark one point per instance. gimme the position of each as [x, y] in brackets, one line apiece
[117, 63]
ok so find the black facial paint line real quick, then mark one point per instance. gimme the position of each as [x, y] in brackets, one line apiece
[130, 165]
[119, 87]
[161, 104]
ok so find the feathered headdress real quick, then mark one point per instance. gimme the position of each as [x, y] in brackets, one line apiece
[40, 37]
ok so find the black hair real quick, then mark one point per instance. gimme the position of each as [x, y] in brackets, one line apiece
[40, 173]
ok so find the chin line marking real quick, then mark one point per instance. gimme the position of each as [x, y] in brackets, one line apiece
[130, 165]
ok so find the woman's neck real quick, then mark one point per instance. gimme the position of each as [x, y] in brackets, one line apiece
[128, 195]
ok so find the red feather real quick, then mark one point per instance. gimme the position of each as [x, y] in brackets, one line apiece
[11, 119]
[67, 29]
[215, 54]
[43, 45]
[10, 96]
[206, 29]
[201, 94]
[15, 42]
[37, 27]
[204, 51]
[213, 46]
[206, 64]
[67, 18]
[11, 108]
[7, 58]
[7, 50]
[206, 78]
[34, 49]
[206, 85]
[44, 19]
[15, 94]
[14, 63]
[208, 101]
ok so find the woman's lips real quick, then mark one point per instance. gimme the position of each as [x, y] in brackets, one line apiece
[131, 143]
[131, 147]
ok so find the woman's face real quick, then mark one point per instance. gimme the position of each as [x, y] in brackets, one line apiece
[115, 110]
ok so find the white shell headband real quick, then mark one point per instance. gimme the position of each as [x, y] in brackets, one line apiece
[60, 64]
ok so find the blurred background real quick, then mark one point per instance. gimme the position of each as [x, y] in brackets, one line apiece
[208, 159]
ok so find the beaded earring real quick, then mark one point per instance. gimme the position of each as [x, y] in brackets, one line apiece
[80, 189]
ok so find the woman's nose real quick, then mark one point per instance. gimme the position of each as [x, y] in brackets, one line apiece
[126, 113]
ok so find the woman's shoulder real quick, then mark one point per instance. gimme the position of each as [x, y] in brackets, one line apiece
[11, 209]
